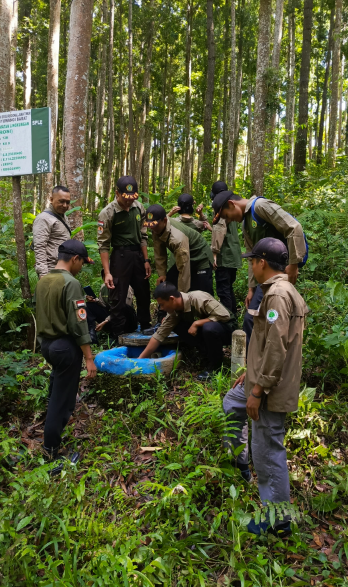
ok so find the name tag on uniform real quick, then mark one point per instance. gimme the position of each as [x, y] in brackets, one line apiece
[200, 272]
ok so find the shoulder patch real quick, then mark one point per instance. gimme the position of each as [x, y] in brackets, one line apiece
[272, 316]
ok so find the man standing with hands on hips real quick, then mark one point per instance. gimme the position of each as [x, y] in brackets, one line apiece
[121, 226]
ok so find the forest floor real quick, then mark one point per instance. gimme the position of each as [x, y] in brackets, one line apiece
[155, 499]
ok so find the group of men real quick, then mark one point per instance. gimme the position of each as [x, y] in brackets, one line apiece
[275, 245]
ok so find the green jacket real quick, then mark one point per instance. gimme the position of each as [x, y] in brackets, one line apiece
[61, 308]
[225, 245]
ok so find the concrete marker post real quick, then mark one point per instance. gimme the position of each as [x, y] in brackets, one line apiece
[238, 352]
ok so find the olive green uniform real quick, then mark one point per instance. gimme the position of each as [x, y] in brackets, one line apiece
[225, 245]
[192, 222]
[125, 233]
[61, 319]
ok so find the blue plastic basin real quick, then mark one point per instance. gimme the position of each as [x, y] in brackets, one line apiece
[122, 359]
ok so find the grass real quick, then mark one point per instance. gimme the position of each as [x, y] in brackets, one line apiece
[175, 516]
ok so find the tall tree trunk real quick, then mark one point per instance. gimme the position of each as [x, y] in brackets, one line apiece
[145, 93]
[130, 88]
[52, 88]
[188, 66]
[302, 125]
[277, 40]
[100, 102]
[209, 95]
[162, 127]
[120, 91]
[231, 126]
[218, 139]
[290, 95]
[13, 67]
[324, 92]
[110, 161]
[225, 90]
[75, 105]
[259, 127]
[339, 141]
[250, 122]
[239, 80]
[27, 72]
[335, 81]
[6, 7]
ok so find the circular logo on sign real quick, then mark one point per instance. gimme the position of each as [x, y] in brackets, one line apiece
[42, 166]
[138, 217]
[150, 216]
[82, 313]
[272, 316]
[254, 224]
[129, 188]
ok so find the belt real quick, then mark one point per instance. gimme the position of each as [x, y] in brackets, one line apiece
[127, 248]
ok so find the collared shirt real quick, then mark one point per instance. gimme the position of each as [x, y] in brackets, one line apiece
[61, 308]
[197, 305]
[192, 222]
[288, 227]
[225, 244]
[187, 246]
[48, 233]
[118, 227]
[275, 349]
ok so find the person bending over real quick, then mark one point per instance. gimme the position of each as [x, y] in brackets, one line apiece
[199, 320]
[270, 388]
[261, 218]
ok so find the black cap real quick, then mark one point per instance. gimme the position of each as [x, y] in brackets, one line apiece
[185, 199]
[219, 200]
[270, 249]
[128, 187]
[74, 247]
[217, 187]
[153, 214]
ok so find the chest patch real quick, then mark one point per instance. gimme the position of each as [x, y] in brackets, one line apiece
[138, 217]
[272, 316]
[254, 223]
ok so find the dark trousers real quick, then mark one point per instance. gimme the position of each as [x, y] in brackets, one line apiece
[65, 356]
[201, 280]
[248, 323]
[210, 339]
[225, 278]
[95, 313]
[127, 268]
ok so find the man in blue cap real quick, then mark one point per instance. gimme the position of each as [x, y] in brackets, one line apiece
[271, 385]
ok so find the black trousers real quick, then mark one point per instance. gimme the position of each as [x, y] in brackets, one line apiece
[127, 268]
[248, 323]
[95, 313]
[225, 278]
[65, 356]
[200, 279]
[210, 339]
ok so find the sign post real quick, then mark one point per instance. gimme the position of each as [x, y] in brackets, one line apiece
[25, 142]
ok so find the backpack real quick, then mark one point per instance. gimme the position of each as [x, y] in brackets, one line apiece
[260, 221]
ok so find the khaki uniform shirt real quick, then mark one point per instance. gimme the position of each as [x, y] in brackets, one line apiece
[61, 308]
[225, 245]
[197, 305]
[275, 349]
[106, 221]
[192, 222]
[178, 243]
[284, 223]
[48, 233]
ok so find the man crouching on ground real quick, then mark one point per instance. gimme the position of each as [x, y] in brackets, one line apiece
[270, 387]
[199, 320]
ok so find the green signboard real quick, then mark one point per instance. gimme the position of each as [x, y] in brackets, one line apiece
[25, 142]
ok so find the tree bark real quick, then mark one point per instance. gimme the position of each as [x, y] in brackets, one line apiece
[339, 140]
[324, 93]
[302, 126]
[75, 105]
[13, 67]
[145, 94]
[335, 81]
[130, 89]
[52, 88]
[277, 40]
[27, 72]
[19, 236]
[208, 110]
[239, 80]
[259, 127]
[6, 7]
[233, 95]
[111, 154]
[120, 91]
[225, 89]
[100, 102]
[188, 67]
[290, 96]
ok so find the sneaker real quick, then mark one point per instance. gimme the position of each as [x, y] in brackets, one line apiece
[73, 458]
[280, 530]
[205, 375]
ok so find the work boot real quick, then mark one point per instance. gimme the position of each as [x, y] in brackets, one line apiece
[279, 530]
[245, 472]
[205, 375]
[73, 458]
